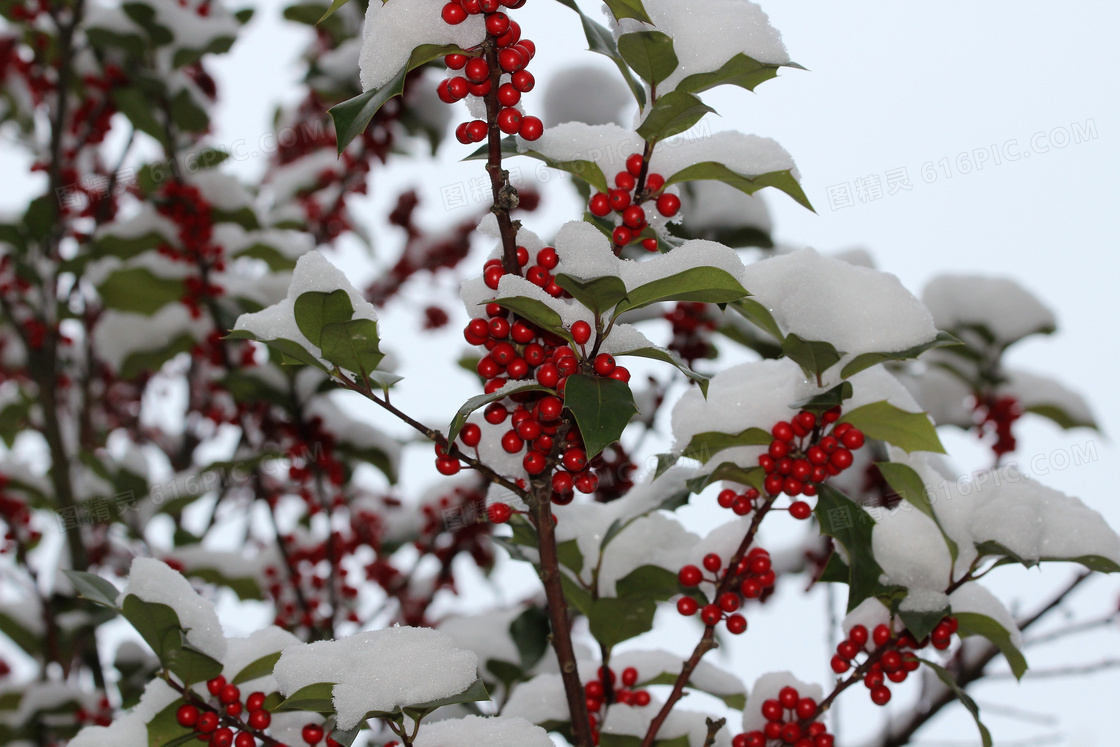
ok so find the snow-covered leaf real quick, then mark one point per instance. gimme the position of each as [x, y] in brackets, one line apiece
[973, 623]
[614, 620]
[628, 9]
[602, 408]
[598, 294]
[137, 290]
[257, 668]
[905, 482]
[536, 312]
[867, 360]
[814, 357]
[704, 446]
[315, 309]
[781, 180]
[740, 70]
[909, 431]
[700, 284]
[317, 697]
[352, 345]
[759, 315]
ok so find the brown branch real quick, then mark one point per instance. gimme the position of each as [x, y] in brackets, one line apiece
[505, 196]
[713, 729]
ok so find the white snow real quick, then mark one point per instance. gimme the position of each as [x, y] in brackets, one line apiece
[341, 62]
[708, 33]
[486, 634]
[870, 613]
[857, 309]
[154, 581]
[130, 730]
[495, 731]
[656, 539]
[583, 93]
[1035, 390]
[606, 145]
[393, 30]
[749, 155]
[379, 670]
[944, 396]
[313, 272]
[1008, 310]
[260, 643]
[715, 205]
[119, 334]
[706, 676]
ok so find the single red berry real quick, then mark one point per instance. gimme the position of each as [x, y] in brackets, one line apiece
[782, 431]
[244, 739]
[581, 332]
[312, 734]
[495, 413]
[229, 694]
[634, 216]
[480, 89]
[477, 130]
[841, 458]
[713, 562]
[215, 685]
[222, 737]
[788, 697]
[547, 258]
[448, 466]
[800, 510]
[736, 624]
[444, 93]
[629, 676]
[650, 245]
[471, 435]
[531, 128]
[574, 460]
[623, 180]
[476, 70]
[711, 614]
[523, 81]
[499, 513]
[594, 689]
[654, 182]
[690, 575]
[255, 701]
[634, 165]
[207, 722]
[453, 14]
[839, 664]
[534, 462]
[549, 408]
[562, 482]
[528, 48]
[728, 601]
[687, 606]
[881, 635]
[604, 364]
[455, 61]
[773, 484]
[880, 696]
[622, 236]
[511, 60]
[858, 635]
[772, 710]
[260, 720]
[620, 373]
[668, 205]
[778, 449]
[600, 204]
[791, 732]
[497, 24]
[726, 498]
[509, 121]
[511, 442]
[619, 199]
[187, 715]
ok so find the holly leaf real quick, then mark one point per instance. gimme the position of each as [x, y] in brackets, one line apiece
[601, 40]
[628, 9]
[814, 356]
[137, 290]
[530, 631]
[973, 623]
[614, 620]
[780, 180]
[315, 309]
[843, 520]
[330, 11]
[1060, 416]
[135, 105]
[352, 345]
[951, 683]
[317, 698]
[94, 588]
[753, 476]
[921, 624]
[602, 408]
[702, 284]
[668, 356]
[867, 360]
[759, 315]
[740, 70]
[597, 294]
[909, 431]
[351, 117]
[703, 446]
[819, 403]
[673, 113]
[909, 486]
[537, 312]
[650, 54]
[257, 668]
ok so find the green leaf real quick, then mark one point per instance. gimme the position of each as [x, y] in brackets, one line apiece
[650, 54]
[330, 11]
[614, 620]
[474, 693]
[759, 315]
[909, 486]
[21, 636]
[569, 555]
[625, 740]
[597, 294]
[579, 597]
[315, 309]
[909, 431]
[137, 290]
[842, 519]
[289, 350]
[867, 360]
[673, 113]
[814, 357]
[835, 571]
[94, 588]
[648, 582]
[602, 408]
[781, 180]
[317, 698]
[702, 284]
[668, 356]
[951, 683]
[164, 730]
[187, 114]
[921, 624]
[352, 345]
[257, 668]
[753, 476]
[191, 665]
[142, 361]
[973, 623]
[537, 312]
[740, 70]
[137, 107]
[108, 245]
[481, 400]
[703, 446]
[1060, 416]
[156, 623]
[352, 116]
[628, 9]
[819, 403]
[530, 631]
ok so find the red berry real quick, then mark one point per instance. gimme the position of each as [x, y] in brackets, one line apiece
[312, 734]
[509, 121]
[244, 739]
[726, 498]
[650, 245]
[619, 199]
[736, 624]
[858, 635]
[528, 48]
[841, 458]
[880, 696]
[581, 332]
[687, 606]
[634, 216]
[187, 715]
[710, 615]
[499, 513]
[207, 722]
[260, 720]
[534, 462]
[629, 676]
[881, 635]
[654, 182]
[852, 439]
[549, 408]
[800, 510]
[782, 431]
[511, 60]
[713, 562]
[523, 81]
[634, 165]
[668, 205]
[480, 89]
[455, 61]
[229, 694]
[497, 24]
[788, 697]
[690, 575]
[222, 737]
[477, 130]
[620, 374]
[840, 664]
[604, 364]
[791, 732]
[448, 466]
[600, 205]
[495, 413]
[562, 482]
[574, 460]
[453, 14]
[471, 435]
[255, 701]
[623, 180]
[215, 685]
[512, 442]
[806, 420]
[772, 710]
[773, 484]
[622, 236]
[728, 602]
[477, 70]
[531, 128]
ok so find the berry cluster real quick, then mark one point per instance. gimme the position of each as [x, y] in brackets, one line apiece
[231, 729]
[539, 274]
[789, 720]
[998, 414]
[803, 454]
[514, 54]
[752, 576]
[184, 205]
[691, 328]
[602, 692]
[626, 202]
[889, 659]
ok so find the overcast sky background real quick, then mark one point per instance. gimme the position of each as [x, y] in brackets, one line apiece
[891, 86]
